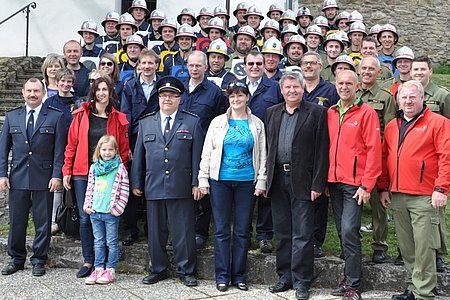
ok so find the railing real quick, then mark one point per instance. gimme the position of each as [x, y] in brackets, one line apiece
[26, 9]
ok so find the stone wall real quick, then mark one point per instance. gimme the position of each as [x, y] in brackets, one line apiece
[423, 25]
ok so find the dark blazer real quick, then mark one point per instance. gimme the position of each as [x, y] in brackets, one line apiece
[309, 165]
[34, 162]
[167, 170]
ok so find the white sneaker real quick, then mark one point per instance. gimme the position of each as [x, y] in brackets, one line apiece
[108, 276]
[92, 279]
[367, 228]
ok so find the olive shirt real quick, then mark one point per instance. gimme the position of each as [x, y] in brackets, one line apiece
[381, 100]
[438, 99]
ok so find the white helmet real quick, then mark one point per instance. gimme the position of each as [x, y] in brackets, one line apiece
[157, 14]
[296, 39]
[403, 52]
[134, 39]
[240, 6]
[112, 16]
[304, 11]
[139, 4]
[274, 7]
[126, 19]
[290, 28]
[321, 21]
[288, 15]
[168, 22]
[272, 45]
[88, 26]
[343, 15]
[334, 37]
[329, 4]
[221, 11]
[216, 23]
[187, 31]
[355, 16]
[271, 24]
[253, 10]
[314, 29]
[388, 27]
[246, 30]
[342, 59]
[357, 27]
[187, 12]
[218, 46]
[374, 29]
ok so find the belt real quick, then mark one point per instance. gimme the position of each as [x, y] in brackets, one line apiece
[284, 167]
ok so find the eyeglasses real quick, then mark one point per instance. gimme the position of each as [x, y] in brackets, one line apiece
[106, 63]
[170, 97]
[252, 63]
[312, 63]
[237, 84]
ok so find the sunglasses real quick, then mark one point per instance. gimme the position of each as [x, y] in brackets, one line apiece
[251, 63]
[237, 84]
[106, 63]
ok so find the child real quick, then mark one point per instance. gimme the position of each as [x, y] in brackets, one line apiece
[106, 197]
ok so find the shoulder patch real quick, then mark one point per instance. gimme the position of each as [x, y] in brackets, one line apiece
[387, 91]
[189, 113]
[15, 108]
[147, 115]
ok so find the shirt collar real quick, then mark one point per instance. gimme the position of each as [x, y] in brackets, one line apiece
[257, 81]
[164, 116]
[36, 110]
[141, 80]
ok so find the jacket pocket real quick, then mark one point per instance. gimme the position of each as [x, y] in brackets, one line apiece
[149, 138]
[422, 170]
[355, 164]
[47, 130]
[47, 164]
[184, 136]
[434, 234]
[15, 129]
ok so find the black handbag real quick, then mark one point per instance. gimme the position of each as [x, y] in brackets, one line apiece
[67, 216]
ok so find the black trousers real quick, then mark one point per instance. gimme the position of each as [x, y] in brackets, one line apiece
[41, 204]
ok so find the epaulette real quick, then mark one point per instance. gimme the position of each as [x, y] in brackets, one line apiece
[12, 109]
[148, 114]
[54, 108]
[387, 91]
[189, 113]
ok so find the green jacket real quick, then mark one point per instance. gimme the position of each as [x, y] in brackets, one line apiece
[438, 99]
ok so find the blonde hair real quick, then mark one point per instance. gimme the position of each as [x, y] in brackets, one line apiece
[105, 140]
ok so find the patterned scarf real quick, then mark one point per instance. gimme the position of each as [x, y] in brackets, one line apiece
[102, 167]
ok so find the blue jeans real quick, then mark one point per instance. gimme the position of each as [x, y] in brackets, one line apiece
[86, 236]
[106, 234]
[347, 216]
[231, 256]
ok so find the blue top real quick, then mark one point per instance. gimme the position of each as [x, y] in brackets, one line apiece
[237, 154]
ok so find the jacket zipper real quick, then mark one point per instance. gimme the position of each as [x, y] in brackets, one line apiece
[422, 171]
[355, 160]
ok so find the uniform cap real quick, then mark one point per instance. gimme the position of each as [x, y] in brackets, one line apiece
[88, 26]
[170, 84]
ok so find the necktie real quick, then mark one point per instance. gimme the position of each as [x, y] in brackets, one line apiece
[167, 129]
[30, 125]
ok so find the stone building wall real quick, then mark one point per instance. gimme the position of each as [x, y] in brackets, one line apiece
[423, 25]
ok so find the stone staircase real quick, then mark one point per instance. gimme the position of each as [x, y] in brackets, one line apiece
[14, 71]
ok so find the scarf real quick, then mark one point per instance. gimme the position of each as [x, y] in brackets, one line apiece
[102, 167]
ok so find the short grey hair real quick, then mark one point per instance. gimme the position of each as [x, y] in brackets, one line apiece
[412, 83]
[292, 76]
[313, 53]
[199, 54]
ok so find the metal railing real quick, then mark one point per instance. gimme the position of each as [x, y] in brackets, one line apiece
[26, 9]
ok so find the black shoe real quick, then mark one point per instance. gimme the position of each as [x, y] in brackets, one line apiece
[242, 286]
[280, 287]
[154, 278]
[380, 257]
[318, 251]
[222, 287]
[301, 294]
[440, 264]
[340, 290]
[85, 271]
[38, 270]
[265, 246]
[399, 260]
[189, 280]
[11, 268]
[129, 240]
[406, 295]
[341, 255]
[200, 242]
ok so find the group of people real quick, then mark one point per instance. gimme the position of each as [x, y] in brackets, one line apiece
[220, 121]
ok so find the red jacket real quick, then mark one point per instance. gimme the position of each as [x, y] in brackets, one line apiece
[355, 146]
[76, 161]
[421, 162]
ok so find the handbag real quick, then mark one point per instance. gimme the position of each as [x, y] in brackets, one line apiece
[67, 216]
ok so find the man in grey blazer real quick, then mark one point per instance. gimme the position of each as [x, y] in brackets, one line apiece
[297, 166]
[165, 165]
[36, 135]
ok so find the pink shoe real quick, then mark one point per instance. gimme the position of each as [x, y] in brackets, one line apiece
[92, 279]
[107, 276]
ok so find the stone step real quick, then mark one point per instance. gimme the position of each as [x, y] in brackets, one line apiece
[66, 253]
[22, 78]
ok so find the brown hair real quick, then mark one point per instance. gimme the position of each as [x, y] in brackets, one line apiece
[113, 102]
[115, 76]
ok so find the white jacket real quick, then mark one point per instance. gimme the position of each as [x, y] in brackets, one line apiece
[213, 146]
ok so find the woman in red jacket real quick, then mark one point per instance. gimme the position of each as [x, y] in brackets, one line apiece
[90, 122]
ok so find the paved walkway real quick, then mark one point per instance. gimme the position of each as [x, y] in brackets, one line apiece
[63, 284]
